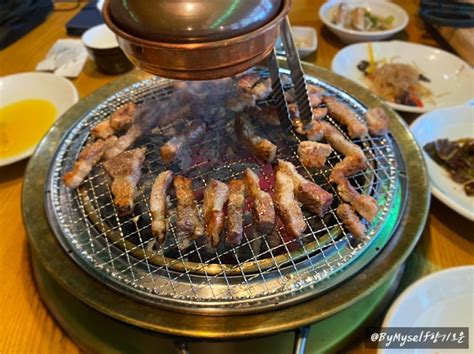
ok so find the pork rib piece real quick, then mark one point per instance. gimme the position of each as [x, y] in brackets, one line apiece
[312, 154]
[261, 148]
[286, 205]
[188, 222]
[172, 148]
[125, 170]
[158, 205]
[262, 204]
[215, 197]
[88, 157]
[344, 115]
[350, 220]
[310, 194]
[235, 208]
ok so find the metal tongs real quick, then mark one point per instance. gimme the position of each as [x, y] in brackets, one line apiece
[304, 107]
[297, 77]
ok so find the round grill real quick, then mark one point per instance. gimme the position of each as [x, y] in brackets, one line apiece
[263, 271]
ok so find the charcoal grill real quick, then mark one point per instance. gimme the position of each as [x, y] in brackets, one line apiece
[112, 265]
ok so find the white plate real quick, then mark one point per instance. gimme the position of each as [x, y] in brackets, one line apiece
[53, 88]
[441, 299]
[380, 8]
[452, 79]
[450, 123]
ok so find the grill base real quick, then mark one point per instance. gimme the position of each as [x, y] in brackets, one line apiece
[94, 332]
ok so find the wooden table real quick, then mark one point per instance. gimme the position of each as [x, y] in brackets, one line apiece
[25, 324]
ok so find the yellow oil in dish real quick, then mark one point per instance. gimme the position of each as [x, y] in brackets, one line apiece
[23, 124]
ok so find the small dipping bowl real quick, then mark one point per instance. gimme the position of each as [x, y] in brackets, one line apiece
[103, 48]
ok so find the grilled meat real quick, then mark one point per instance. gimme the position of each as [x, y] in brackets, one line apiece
[125, 170]
[262, 89]
[339, 142]
[267, 114]
[261, 148]
[350, 220]
[365, 205]
[262, 207]
[188, 222]
[102, 130]
[122, 119]
[172, 148]
[235, 207]
[215, 197]
[158, 205]
[286, 205]
[88, 157]
[377, 121]
[345, 116]
[312, 154]
[310, 194]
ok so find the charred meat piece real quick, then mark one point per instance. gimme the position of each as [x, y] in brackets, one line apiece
[261, 148]
[215, 197]
[345, 116]
[171, 149]
[188, 222]
[235, 207]
[350, 220]
[310, 194]
[122, 119]
[319, 113]
[262, 208]
[103, 130]
[377, 121]
[248, 80]
[312, 154]
[339, 142]
[365, 205]
[286, 205]
[88, 157]
[158, 205]
[266, 114]
[125, 170]
[262, 89]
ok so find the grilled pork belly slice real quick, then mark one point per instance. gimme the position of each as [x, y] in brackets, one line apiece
[377, 121]
[263, 209]
[312, 154]
[344, 115]
[188, 222]
[215, 197]
[88, 157]
[192, 134]
[235, 208]
[158, 205]
[308, 193]
[286, 205]
[261, 148]
[125, 170]
[350, 220]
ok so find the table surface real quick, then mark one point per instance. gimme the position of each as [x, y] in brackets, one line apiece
[26, 325]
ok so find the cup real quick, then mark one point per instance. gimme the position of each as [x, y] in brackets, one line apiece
[103, 48]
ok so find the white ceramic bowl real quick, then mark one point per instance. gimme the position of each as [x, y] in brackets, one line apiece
[449, 123]
[379, 8]
[452, 79]
[305, 38]
[53, 88]
[441, 299]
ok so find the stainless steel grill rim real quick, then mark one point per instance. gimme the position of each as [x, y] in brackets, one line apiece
[245, 286]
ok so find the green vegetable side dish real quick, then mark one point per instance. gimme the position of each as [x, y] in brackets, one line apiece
[360, 19]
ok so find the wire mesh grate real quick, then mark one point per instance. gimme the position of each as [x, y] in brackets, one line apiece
[261, 271]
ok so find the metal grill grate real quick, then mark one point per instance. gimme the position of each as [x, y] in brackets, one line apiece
[262, 271]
